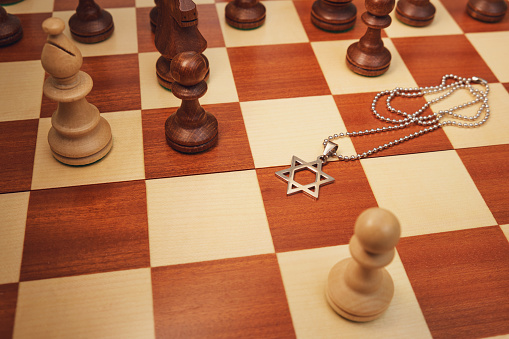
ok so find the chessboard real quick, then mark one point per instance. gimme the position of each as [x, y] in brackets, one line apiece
[149, 242]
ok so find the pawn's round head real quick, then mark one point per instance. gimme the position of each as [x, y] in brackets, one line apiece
[378, 230]
[380, 7]
[60, 57]
[188, 68]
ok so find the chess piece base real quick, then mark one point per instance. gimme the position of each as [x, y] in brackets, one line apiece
[203, 137]
[333, 18]
[89, 32]
[360, 307]
[412, 15]
[11, 30]
[487, 11]
[245, 18]
[163, 71]
[9, 2]
[81, 151]
[366, 64]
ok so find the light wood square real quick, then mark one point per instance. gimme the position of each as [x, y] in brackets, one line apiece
[31, 6]
[278, 129]
[331, 56]
[123, 162]
[106, 305]
[282, 26]
[20, 97]
[494, 49]
[13, 216]
[493, 132]
[505, 229]
[305, 275]
[442, 24]
[428, 192]
[124, 39]
[221, 86]
[206, 217]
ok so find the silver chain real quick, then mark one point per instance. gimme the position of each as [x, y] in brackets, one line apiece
[432, 121]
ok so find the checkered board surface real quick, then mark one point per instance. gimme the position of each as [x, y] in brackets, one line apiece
[152, 243]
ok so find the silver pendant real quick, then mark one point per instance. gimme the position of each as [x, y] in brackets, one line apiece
[321, 178]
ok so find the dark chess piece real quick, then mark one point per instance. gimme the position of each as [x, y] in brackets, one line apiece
[360, 288]
[245, 14]
[333, 15]
[154, 12]
[176, 32]
[8, 2]
[487, 10]
[10, 28]
[90, 23]
[79, 135]
[191, 129]
[369, 56]
[416, 13]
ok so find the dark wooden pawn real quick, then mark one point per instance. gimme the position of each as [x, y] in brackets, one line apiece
[191, 129]
[90, 23]
[11, 30]
[416, 13]
[176, 32]
[333, 15]
[154, 12]
[245, 14]
[487, 10]
[369, 56]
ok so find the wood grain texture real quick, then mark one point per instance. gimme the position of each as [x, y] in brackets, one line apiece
[17, 142]
[116, 84]
[8, 299]
[280, 71]
[356, 114]
[231, 153]
[460, 280]
[30, 46]
[85, 229]
[424, 57]
[467, 23]
[292, 219]
[487, 165]
[226, 296]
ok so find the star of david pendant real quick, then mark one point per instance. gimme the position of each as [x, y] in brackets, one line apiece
[321, 178]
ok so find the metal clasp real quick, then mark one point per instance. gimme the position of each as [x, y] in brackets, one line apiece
[478, 80]
[329, 150]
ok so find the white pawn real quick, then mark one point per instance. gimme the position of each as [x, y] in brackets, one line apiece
[79, 135]
[360, 288]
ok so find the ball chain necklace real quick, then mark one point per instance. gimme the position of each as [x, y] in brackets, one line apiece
[431, 123]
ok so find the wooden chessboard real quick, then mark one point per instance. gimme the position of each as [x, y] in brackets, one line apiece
[152, 243]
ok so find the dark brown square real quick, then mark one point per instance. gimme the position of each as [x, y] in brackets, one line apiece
[30, 45]
[17, 145]
[232, 298]
[231, 153]
[489, 168]
[274, 72]
[116, 84]
[461, 280]
[8, 300]
[356, 113]
[86, 229]
[458, 10]
[299, 222]
[424, 57]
